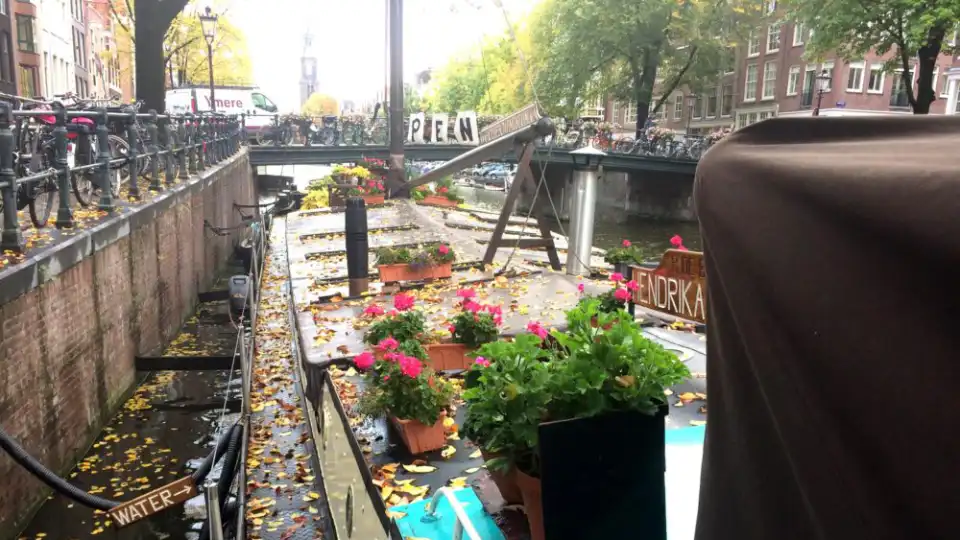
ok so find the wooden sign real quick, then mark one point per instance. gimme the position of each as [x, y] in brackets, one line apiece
[678, 286]
[525, 117]
[154, 502]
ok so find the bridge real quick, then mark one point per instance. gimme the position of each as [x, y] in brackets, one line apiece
[325, 155]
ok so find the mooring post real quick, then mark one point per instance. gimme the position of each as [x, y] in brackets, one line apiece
[64, 215]
[212, 498]
[104, 176]
[133, 163]
[358, 257]
[580, 240]
[11, 239]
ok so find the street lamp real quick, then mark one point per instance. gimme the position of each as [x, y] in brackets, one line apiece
[208, 24]
[823, 79]
[586, 162]
[691, 102]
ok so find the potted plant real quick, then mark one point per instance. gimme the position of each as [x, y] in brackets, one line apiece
[420, 193]
[612, 300]
[605, 366]
[622, 257]
[474, 325]
[444, 194]
[414, 399]
[401, 264]
[403, 323]
[506, 395]
[377, 167]
[371, 191]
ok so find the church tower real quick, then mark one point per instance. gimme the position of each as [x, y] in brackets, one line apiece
[308, 69]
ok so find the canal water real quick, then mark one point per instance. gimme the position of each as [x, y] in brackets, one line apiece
[653, 235]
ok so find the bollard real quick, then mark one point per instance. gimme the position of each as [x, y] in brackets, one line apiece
[212, 498]
[201, 144]
[169, 160]
[64, 215]
[243, 126]
[133, 164]
[104, 175]
[153, 136]
[358, 255]
[191, 143]
[11, 238]
[182, 172]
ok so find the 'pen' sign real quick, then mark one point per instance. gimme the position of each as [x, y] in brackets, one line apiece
[154, 502]
[421, 129]
[678, 286]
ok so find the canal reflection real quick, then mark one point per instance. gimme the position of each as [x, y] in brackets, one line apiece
[653, 235]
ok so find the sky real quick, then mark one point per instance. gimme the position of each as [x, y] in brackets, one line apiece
[349, 40]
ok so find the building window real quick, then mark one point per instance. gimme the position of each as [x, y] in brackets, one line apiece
[25, 41]
[793, 80]
[828, 67]
[6, 60]
[28, 82]
[615, 112]
[877, 76]
[936, 75]
[753, 45]
[773, 38]
[711, 111]
[855, 77]
[631, 114]
[945, 89]
[698, 108]
[769, 80]
[798, 31]
[678, 108]
[3, 7]
[750, 83]
[899, 98]
[726, 103]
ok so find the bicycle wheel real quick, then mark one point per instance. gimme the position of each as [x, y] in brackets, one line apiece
[42, 199]
[329, 136]
[623, 146]
[82, 184]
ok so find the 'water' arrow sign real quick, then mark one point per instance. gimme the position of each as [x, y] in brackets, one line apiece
[153, 502]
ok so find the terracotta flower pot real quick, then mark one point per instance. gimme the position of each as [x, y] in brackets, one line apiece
[420, 438]
[437, 200]
[446, 356]
[506, 481]
[374, 199]
[390, 273]
[530, 489]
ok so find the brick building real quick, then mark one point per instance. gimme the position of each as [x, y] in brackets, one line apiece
[8, 84]
[27, 49]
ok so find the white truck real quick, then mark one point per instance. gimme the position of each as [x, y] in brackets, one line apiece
[248, 100]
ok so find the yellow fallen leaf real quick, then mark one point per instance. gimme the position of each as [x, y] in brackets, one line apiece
[667, 392]
[625, 381]
[458, 482]
[419, 468]
[475, 455]
[472, 470]
[447, 422]
[687, 396]
[312, 510]
[395, 515]
[313, 495]
[448, 451]
[698, 422]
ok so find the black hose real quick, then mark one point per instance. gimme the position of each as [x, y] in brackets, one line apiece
[230, 462]
[203, 469]
[48, 477]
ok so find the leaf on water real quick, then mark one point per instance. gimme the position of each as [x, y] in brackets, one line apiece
[472, 470]
[421, 469]
[448, 451]
[475, 454]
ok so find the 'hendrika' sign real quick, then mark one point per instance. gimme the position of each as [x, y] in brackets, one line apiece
[525, 117]
[678, 286]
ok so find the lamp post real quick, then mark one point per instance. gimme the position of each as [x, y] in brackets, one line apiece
[586, 163]
[691, 102]
[823, 79]
[208, 24]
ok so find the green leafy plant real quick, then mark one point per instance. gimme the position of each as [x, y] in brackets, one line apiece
[402, 326]
[420, 193]
[370, 187]
[475, 324]
[626, 253]
[506, 394]
[428, 256]
[402, 386]
[607, 301]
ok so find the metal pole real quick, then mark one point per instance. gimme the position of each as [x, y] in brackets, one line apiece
[213, 101]
[133, 163]
[358, 255]
[104, 174]
[64, 214]
[11, 239]
[152, 148]
[816, 110]
[396, 177]
[581, 226]
[213, 510]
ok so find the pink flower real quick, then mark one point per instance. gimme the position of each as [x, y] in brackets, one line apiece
[452, 329]
[621, 295]
[471, 306]
[410, 366]
[380, 186]
[616, 277]
[386, 377]
[580, 287]
[373, 310]
[403, 302]
[481, 361]
[443, 249]
[626, 243]
[441, 190]
[537, 329]
[392, 356]
[393, 313]
[632, 285]
[388, 344]
[466, 293]
[677, 242]
[364, 360]
[497, 319]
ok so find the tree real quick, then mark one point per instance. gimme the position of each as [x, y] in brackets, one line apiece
[914, 30]
[627, 49]
[320, 105]
[185, 53]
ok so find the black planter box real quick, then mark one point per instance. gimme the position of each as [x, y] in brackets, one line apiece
[603, 477]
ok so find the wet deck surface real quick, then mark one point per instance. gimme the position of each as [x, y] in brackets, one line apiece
[332, 329]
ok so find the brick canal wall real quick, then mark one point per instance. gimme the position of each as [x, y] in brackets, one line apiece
[73, 319]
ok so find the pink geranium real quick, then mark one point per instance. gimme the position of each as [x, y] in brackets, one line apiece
[471, 306]
[403, 302]
[388, 344]
[677, 242]
[364, 360]
[373, 310]
[392, 356]
[581, 287]
[626, 243]
[537, 329]
[621, 295]
[466, 293]
[632, 285]
[452, 329]
[481, 361]
[443, 249]
[616, 277]
[410, 366]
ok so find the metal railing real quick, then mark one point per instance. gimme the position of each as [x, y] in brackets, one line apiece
[176, 145]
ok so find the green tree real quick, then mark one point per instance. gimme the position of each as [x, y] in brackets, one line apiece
[628, 49]
[320, 105]
[185, 52]
[913, 30]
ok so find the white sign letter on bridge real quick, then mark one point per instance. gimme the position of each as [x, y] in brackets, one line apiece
[466, 129]
[415, 132]
[439, 128]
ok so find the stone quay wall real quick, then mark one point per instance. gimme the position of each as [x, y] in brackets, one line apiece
[73, 317]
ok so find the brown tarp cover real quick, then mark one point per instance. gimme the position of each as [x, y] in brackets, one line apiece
[832, 249]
